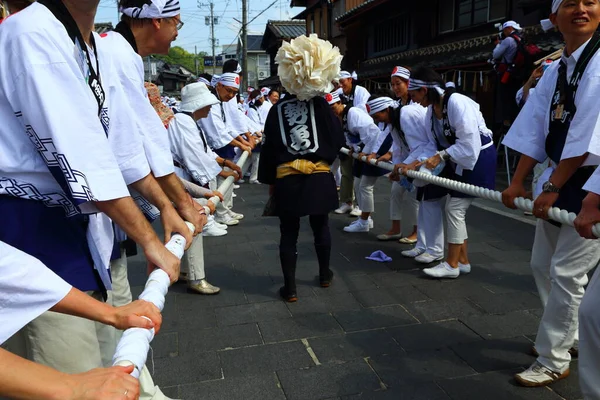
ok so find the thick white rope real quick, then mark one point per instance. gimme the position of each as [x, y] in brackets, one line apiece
[134, 345]
[554, 213]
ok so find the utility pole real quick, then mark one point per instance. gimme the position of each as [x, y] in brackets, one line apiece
[212, 21]
[245, 43]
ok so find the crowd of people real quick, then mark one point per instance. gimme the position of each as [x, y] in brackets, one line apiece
[78, 190]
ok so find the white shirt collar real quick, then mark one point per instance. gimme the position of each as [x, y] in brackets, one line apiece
[571, 61]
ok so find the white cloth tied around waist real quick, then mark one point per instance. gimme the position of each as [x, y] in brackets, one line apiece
[135, 343]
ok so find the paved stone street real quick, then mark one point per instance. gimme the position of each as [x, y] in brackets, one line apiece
[381, 331]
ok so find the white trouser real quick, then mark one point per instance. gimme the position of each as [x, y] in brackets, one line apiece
[224, 206]
[589, 340]
[254, 168]
[193, 260]
[431, 227]
[337, 172]
[560, 261]
[364, 192]
[404, 207]
[456, 212]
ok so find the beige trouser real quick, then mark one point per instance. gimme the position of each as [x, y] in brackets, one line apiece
[192, 261]
[560, 261]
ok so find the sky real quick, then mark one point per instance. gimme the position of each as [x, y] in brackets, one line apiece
[196, 33]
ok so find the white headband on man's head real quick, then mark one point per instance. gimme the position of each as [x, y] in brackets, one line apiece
[401, 72]
[229, 79]
[416, 84]
[156, 9]
[379, 104]
[555, 5]
[346, 74]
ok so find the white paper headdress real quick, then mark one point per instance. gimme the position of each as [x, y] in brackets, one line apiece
[307, 65]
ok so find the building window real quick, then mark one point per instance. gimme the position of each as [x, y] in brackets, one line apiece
[389, 36]
[459, 14]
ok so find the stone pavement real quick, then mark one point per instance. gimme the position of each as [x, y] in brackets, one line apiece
[381, 331]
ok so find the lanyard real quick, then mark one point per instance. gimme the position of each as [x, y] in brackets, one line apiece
[92, 77]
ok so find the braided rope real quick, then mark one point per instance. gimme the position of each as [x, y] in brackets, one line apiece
[134, 345]
[554, 213]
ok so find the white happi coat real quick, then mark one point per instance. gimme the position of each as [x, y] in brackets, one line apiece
[528, 133]
[265, 108]
[360, 123]
[468, 124]
[361, 97]
[255, 115]
[187, 148]
[50, 129]
[217, 132]
[416, 128]
[21, 303]
[237, 120]
[129, 68]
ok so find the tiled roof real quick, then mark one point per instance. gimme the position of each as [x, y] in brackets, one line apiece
[464, 52]
[103, 27]
[287, 29]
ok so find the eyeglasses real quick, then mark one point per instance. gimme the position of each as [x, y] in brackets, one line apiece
[179, 23]
[231, 91]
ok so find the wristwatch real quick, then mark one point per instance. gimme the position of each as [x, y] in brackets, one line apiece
[444, 155]
[548, 187]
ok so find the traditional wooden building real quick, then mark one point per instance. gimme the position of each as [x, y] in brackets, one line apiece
[275, 33]
[453, 36]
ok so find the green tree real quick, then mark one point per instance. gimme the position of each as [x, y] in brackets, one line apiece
[178, 55]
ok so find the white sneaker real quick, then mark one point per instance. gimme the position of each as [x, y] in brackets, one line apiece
[357, 226]
[213, 230]
[356, 212]
[442, 270]
[236, 186]
[412, 253]
[255, 182]
[464, 268]
[226, 220]
[241, 181]
[235, 215]
[211, 220]
[538, 375]
[343, 209]
[221, 226]
[427, 258]
[233, 195]
[371, 223]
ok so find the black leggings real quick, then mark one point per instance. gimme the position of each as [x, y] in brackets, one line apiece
[289, 228]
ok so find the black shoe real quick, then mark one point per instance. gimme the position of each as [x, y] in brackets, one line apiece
[325, 281]
[289, 296]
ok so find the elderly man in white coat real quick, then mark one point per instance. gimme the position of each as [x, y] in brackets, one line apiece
[561, 122]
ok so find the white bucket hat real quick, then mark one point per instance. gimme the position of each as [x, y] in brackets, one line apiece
[196, 96]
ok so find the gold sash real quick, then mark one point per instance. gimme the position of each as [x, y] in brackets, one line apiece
[301, 166]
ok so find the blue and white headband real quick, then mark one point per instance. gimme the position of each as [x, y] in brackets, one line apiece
[379, 104]
[156, 9]
[332, 98]
[555, 5]
[204, 80]
[230, 79]
[401, 72]
[214, 80]
[346, 74]
[416, 84]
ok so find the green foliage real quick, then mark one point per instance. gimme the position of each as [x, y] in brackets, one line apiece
[178, 55]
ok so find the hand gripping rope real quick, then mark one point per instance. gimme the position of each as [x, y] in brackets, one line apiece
[554, 213]
[133, 347]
